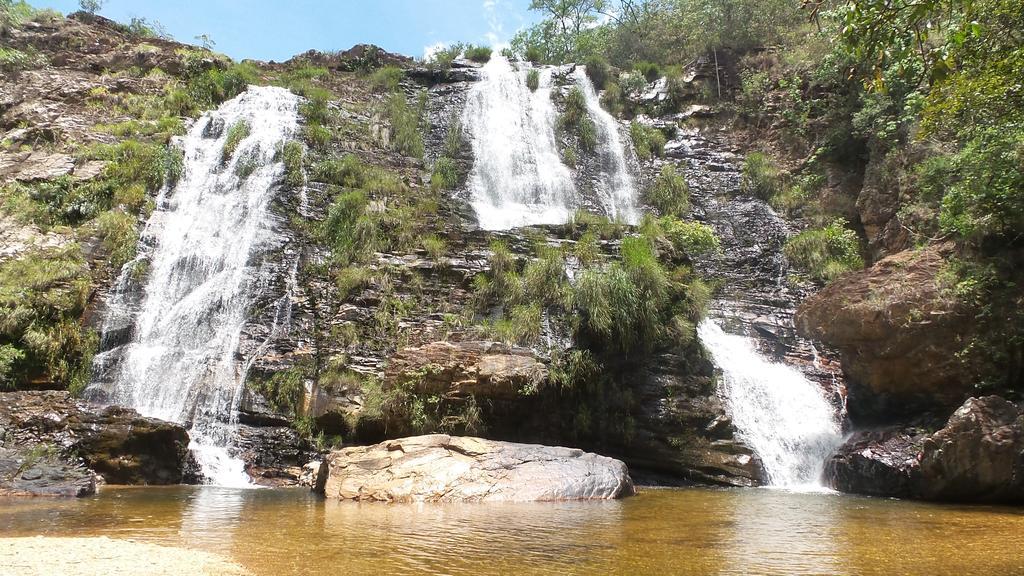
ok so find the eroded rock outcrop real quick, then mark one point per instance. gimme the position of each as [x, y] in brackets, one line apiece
[898, 333]
[52, 444]
[484, 369]
[978, 456]
[442, 468]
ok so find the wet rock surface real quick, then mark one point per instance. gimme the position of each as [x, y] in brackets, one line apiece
[53, 444]
[878, 462]
[273, 455]
[441, 468]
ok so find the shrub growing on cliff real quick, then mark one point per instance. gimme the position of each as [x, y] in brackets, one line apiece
[575, 120]
[612, 99]
[691, 238]
[647, 140]
[669, 194]
[533, 79]
[598, 71]
[386, 78]
[761, 178]
[826, 253]
[236, 133]
[42, 295]
[480, 54]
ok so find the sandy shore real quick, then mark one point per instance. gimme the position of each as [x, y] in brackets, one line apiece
[104, 556]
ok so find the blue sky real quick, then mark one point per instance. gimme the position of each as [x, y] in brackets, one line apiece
[279, 29]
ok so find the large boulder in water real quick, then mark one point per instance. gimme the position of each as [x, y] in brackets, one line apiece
[878, 462]
[442, 468]
[73, 440]
[978, 456]
[898, 332]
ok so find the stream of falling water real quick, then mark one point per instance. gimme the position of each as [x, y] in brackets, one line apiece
[615, 183]
[783, 416]
[207, 234]
[518, 177]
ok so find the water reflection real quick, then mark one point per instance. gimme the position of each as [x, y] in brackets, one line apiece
[780, 532]
[693, 531]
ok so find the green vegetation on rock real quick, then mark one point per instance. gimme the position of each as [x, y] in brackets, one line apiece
[826, 253]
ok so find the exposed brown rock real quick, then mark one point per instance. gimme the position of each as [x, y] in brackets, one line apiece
[441, 468]
[484, 369]
[898, 333]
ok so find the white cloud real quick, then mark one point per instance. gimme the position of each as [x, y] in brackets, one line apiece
[431, 50]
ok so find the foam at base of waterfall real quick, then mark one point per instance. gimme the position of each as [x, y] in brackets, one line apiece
[219, 467]
[784, 417]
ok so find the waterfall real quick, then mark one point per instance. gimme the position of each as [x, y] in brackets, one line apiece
[615, 183]
[784, 417]
[204, 244]
[518, 177]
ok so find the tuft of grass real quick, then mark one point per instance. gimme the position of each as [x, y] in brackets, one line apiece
[350, 279]
[669, 194]
[236, 133]
[317, 136]
[348, 171]
[826, 253]
[647, 140]
[293, 157]
[435, 247]
[480, 54]
[445, 175]
[761, 178]
[407, 123]
[386, 79]
[533, 79]
[606, 229]
[120, 236]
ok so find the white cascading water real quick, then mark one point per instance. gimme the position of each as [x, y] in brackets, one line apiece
[615, 183]
[208, 233]
[518, 177]
[784, 417]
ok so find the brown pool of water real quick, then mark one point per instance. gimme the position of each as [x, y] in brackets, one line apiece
[660, 531]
